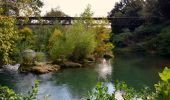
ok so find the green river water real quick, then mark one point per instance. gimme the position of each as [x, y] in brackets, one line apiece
[73, 84]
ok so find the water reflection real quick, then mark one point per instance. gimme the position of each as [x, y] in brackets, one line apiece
[104, 69]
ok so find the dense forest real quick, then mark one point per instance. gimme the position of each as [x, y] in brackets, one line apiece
[149, 35]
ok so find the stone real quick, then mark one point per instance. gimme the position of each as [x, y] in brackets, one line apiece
[40, 68]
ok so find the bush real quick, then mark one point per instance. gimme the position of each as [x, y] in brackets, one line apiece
[8, 37]
[26, 39]
[42, 35]
[164, 41]
[120, 39]
[9, 94]
[76, 43]
[103, 44]
[56, 34]
[40, 56]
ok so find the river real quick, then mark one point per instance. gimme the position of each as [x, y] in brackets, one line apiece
[73, 84]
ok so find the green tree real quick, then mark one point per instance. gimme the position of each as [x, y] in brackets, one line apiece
[126, 9]
[21, 7]
[55, 12]
[87, 16]
[8, 37]
[164, 6]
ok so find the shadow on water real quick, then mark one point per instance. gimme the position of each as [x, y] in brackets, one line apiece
[73, 84]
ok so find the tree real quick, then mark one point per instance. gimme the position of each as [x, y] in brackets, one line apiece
[164, 6]
[55, 12]
[20, 7]
[87, 16]
[126, 9]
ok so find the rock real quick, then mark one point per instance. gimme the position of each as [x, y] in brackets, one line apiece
[69, 64]
[108, 56]
[11, 67]
[40, 68]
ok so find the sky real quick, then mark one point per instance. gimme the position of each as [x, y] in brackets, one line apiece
[76, 7]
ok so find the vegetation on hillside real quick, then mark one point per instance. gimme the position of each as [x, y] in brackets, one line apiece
[146, 35]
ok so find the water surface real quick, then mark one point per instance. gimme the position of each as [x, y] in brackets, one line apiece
[73, 84]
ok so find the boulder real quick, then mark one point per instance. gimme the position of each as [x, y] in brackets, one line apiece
[40, 68]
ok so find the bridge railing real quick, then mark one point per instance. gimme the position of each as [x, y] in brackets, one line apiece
[70, 20]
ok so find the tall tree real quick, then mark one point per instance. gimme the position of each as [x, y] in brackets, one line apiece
[126, 9]
[20, 7]
[55, 12]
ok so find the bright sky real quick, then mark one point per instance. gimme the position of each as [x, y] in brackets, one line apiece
[76, 7]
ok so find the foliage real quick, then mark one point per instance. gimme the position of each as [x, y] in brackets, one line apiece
[21, 7]
[40, 56]
[77, 42]
[8, 37]
[164, 41]
[28, 57]
[26, 39]
[162, 90]
[165, 75]
[164, 6]
[103, 44]
[100, 93]
[87, 14]
[42, 35]
[121, 39]
[9, 94]
[126, 8]
[55, 13]
[85, 42]
[56, 35]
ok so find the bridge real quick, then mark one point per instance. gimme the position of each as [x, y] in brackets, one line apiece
[71, 20]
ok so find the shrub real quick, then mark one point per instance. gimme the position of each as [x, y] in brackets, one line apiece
[120, 39]
[42, 35]
[103, 44]
[8, 37]
[85, 41]
[26, 39]
[163, 87]
[9, 94]
[164, 41]
[28, 57]
[56, 34]
[40, 56]
[76, 43]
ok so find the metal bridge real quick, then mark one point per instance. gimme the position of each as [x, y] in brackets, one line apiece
[71, 20]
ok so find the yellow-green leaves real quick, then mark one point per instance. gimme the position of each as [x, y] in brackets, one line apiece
[165, 75]
[7, 37]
